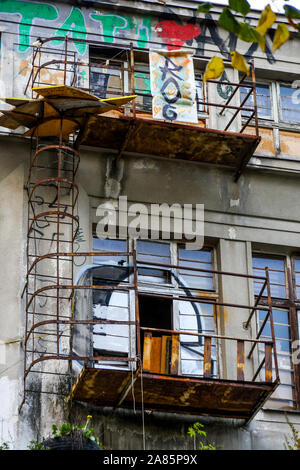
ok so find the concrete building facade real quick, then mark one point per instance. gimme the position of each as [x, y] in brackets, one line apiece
[248, 188]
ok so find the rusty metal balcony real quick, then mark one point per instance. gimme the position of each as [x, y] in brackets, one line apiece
[152, 378]
[133, 129]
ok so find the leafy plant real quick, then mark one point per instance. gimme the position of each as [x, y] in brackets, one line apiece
[67, 429]
[197, 430]
[294, 442]
[4, 446]
[36, 445]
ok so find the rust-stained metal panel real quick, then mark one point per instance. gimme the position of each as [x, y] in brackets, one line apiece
[155, 357]
[8, 121]
[173, 394]
[207, 357]
[102, 387]
[268, 362]
[170, 140]
[186, 395]
[240, 360]
[175, 354]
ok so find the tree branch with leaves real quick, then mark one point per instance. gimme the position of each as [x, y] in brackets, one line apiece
[247, 33]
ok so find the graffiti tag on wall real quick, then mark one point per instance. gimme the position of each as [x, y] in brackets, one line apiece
[38, 18]
[173, 86]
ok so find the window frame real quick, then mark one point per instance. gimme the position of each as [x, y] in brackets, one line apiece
[279, 84]
[269, 84]
[291, 305]
[276, 111]
[175, 290]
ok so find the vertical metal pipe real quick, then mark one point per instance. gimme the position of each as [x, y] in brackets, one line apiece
[294, 333]
[255, 97]
[271, 322]
[137, 312]
[66, 58]
[132, 79]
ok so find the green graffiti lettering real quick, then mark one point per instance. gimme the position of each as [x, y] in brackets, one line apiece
[111, 24]
[28, 11]
[144, 80]
[144, 32]
[75, 23]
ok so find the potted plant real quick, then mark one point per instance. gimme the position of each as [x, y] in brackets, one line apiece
[72, 437]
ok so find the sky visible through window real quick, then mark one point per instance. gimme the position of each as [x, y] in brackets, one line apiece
[277, 5]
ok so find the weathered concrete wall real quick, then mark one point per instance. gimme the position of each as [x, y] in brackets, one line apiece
[169, 432]
[23, 22]
[207, 185]
[11, 279]
[262, 209]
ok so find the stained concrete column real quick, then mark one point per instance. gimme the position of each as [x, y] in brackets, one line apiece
[12, 278]
[234, 256]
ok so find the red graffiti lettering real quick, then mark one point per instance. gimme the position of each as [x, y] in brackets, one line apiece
[175, 35]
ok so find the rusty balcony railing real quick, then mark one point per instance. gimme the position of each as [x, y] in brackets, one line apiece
[119, 76]
[219, 137]
[158, 361]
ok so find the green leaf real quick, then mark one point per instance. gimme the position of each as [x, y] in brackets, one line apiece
[240, 6]
[291, 12]
[249, 34]
[228, 21]
[204, 7]
[65, 428]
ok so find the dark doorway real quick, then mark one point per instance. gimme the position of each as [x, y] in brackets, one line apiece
[155, 312]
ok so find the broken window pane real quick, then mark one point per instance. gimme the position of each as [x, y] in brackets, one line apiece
[105, 245]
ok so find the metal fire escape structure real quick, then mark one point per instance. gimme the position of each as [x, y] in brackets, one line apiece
[60, 118]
